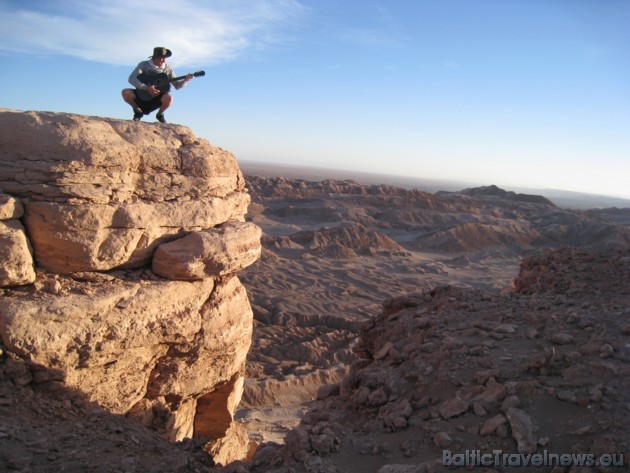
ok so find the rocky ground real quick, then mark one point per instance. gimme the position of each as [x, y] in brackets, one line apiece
[542, 368]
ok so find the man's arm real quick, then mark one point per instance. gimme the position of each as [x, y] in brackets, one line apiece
[133, 78]
[181, 83]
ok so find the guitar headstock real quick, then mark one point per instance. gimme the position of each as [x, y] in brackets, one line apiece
[199, 73]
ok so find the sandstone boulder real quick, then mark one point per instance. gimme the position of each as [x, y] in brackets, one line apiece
[68, 237]
[104, 193]
[15, 254]
[66, 157]
[10, 207]
[130, 341]
[212, 252]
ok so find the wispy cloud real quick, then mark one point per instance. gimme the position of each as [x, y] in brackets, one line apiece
[122, 32]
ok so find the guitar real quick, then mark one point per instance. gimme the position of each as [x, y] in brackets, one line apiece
[161, 81]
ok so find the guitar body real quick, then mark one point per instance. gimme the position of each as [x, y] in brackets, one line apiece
[158, 80]
[161, 82]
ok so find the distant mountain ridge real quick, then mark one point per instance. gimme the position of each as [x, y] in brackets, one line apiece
[561, 198]
[495, 191]
[482, 218]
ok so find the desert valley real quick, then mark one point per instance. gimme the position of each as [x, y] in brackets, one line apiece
[388, 325]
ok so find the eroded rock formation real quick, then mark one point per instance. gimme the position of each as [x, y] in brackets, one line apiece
[87, 202]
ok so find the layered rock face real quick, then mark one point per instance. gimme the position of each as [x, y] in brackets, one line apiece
[88, 207]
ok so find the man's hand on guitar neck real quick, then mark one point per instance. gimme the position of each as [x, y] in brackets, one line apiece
[184, 81]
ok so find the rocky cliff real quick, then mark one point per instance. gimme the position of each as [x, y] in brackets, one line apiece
[120, 245]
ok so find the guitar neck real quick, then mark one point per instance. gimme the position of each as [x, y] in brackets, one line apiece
[175, 79]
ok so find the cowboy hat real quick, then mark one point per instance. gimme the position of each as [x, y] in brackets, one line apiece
[161, 52]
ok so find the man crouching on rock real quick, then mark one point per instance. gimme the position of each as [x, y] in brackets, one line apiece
[147, 97]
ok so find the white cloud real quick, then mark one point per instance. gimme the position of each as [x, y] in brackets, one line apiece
[122, 32]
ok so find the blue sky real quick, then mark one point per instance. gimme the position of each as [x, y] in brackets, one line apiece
[530, 93]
